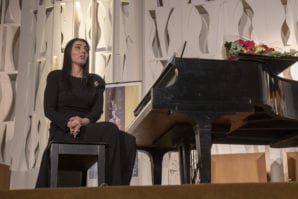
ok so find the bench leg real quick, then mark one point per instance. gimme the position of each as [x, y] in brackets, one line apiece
[54, 165]
[101, 164]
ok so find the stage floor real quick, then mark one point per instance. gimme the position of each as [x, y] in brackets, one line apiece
[198, 191]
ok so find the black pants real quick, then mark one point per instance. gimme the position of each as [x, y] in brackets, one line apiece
[121, 151]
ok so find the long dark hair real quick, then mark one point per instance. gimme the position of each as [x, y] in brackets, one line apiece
[67, 63]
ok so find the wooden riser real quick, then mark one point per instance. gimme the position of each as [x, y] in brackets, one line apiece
[200, 191]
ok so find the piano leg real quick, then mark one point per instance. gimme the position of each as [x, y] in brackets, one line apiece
[203, 145]
[156, 158]
[184, 162]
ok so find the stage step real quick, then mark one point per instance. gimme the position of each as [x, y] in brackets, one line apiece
[199, 191]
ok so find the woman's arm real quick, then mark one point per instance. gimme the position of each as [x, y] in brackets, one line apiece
[97, 107]
[51, 100]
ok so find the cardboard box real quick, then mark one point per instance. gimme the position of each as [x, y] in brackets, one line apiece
[4, 176]
[292, 165]
[238, 168]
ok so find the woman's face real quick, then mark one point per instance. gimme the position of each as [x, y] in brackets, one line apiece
[79, 53]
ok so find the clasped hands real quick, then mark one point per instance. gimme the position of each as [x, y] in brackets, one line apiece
[75, 123]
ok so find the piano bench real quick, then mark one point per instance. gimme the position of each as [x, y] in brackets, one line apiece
[76, 157]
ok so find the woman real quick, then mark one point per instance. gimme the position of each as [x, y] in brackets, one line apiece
[73, 102]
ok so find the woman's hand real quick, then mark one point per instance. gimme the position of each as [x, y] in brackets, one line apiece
[75, 123]
[74, 126]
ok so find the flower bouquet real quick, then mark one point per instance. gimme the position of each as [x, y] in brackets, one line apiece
[241, 46]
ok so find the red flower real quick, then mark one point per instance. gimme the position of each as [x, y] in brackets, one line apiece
[267, 48]
[248, 45]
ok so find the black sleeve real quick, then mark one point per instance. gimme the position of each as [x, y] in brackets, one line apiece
[97, 107]
[51, 100]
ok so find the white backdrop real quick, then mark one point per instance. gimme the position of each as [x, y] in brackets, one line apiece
[130, 40]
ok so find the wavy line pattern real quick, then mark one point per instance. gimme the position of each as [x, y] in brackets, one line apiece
[165, 25]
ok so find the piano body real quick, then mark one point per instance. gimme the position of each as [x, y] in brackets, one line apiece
[197, 102]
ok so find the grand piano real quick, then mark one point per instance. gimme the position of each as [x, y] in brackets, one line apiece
[197, 102]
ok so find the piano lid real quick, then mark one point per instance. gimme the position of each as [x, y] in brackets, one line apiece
[275, 64]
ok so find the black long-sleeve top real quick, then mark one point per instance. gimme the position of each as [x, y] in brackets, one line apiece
[61, 102]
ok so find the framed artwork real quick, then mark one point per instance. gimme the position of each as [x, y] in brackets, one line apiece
[120, 100]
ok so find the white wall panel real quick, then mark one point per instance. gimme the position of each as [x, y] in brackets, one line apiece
[147, 34]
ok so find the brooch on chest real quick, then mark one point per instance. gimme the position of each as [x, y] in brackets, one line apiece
[96, 83]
